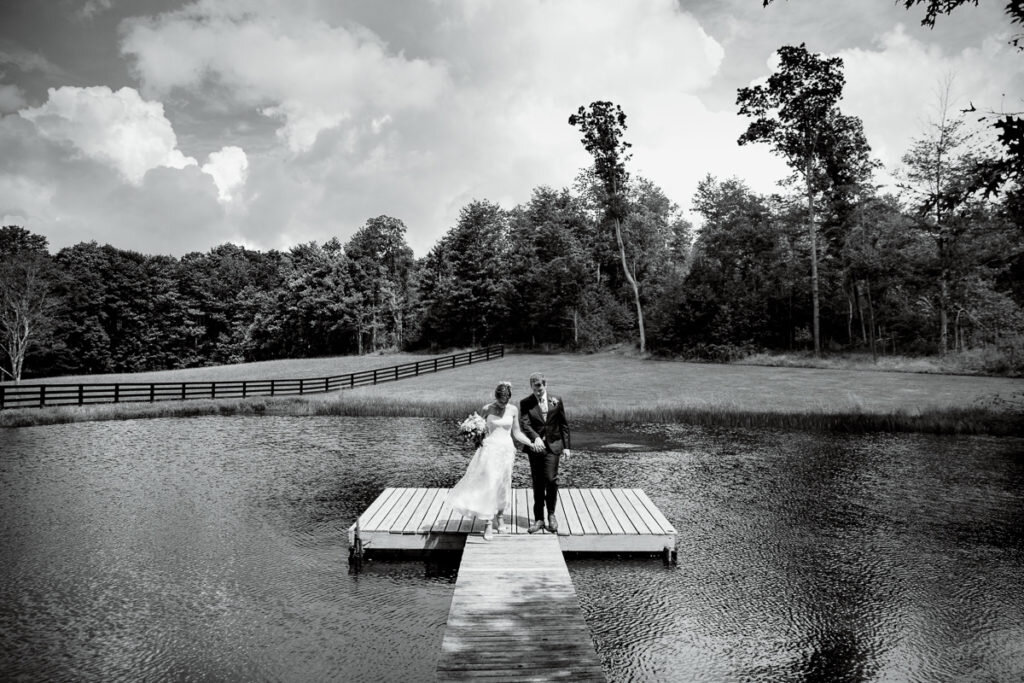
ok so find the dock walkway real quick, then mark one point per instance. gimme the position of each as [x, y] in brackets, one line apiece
[515, 615]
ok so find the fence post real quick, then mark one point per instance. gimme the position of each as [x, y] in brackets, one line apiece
[417, 368]
[117, 393]
[272, 382]
[42, 396]
[302, 386]
[245, 386]
[374, 376]
[396, 373]
[327, 384]
[351, 380]
[3, 396]
[81, 395]
[152, 392]
[435, 365]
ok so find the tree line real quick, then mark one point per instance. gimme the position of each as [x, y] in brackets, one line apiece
[830, 261]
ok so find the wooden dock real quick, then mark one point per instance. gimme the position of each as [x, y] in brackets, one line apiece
[515, 615]
[590, 520]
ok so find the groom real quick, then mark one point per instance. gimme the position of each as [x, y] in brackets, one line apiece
[542, 418]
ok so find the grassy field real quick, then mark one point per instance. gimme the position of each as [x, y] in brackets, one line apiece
[612, 387]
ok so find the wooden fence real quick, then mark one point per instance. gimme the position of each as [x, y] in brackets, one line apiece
[42, 395]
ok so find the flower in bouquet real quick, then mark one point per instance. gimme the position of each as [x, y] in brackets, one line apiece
[473, 428]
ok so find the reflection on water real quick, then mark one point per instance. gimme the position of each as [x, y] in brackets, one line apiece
[214, 549]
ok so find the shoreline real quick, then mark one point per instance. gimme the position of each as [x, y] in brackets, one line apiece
[975, 420]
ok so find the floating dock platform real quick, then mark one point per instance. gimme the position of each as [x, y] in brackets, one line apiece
[589, 520]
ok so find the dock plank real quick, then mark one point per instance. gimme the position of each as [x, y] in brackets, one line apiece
[398, 524]
[569, 519]
[388, 520]
[430, 515]
[627, 498]
[586, 519]
[524, 514]
[417, 521]
[375, 506]
[410, 523]
[596, 514]
[617, 511]
[390, 497]
[659, 518]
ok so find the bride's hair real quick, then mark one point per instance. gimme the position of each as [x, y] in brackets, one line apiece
[503, 385]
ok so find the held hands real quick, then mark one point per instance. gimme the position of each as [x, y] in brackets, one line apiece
[538, 445]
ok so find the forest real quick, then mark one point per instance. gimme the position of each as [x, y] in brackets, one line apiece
[833, 261]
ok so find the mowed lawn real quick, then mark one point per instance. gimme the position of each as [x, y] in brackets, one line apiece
[595, 383]
[607, 386]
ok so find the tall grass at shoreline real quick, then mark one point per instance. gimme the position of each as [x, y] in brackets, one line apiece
[949, 420]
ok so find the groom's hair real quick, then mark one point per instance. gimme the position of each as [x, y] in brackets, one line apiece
[538, 376]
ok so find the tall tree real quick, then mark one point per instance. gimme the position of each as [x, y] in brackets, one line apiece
[790, 113]
[381, 263]
[603, 127]
[465, 284]
[549, 260]
[936, 177]
[26, 302]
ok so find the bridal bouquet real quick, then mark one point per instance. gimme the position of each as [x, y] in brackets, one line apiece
[473, 428]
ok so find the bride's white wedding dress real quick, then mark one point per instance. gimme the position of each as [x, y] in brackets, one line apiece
[483, 489]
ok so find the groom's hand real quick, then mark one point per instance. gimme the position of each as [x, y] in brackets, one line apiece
[566, 453]
[538, 445]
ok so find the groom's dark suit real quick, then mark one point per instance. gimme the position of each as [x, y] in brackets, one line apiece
[553, 430]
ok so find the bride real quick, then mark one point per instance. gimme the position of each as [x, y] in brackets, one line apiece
[483, 489]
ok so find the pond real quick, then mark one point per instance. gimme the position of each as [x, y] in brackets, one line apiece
[215, 549]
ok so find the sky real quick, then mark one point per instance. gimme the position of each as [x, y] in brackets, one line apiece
[172, 126]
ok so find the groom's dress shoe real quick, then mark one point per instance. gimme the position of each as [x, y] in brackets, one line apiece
[536, 526]
[552, 524]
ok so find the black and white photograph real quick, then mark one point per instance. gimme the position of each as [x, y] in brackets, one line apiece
[512, 340]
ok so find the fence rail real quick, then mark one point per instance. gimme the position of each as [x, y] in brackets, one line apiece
[42, 395]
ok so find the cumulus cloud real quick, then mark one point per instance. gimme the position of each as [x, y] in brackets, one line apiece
[53, 189]
[119, 128]
[896, 87]
[228, 169]
[294, 67]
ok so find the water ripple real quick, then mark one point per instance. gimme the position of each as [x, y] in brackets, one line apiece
[215, 549]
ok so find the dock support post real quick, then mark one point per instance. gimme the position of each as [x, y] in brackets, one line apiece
[355, 553]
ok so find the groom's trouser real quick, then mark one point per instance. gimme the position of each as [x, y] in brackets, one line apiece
[544, 471]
